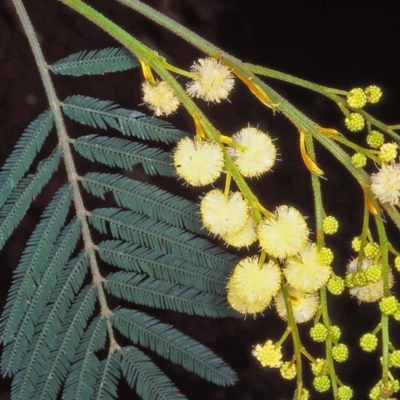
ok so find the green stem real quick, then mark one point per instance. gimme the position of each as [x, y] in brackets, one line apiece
[331, 93]
[319, 213]
[264, 71]
[319, 209]
[386, 292]
[297, 345]
[67, 156]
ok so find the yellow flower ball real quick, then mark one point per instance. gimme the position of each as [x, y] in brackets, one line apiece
[372, 291]
[160, 98]
[214, 80]
[251, 286]
[199, 163]
[245, 237]
[285, 235]
[259, 154]
[268, 355]
[304, 305]
[305, 272]
[224, 215]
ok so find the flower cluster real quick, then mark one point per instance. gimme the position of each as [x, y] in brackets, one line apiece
[359, 286]
[354, 122]
[198, 162]
[291, 269]
[252, 286]
[285, 235]
[358, 97]
[222, 214]
[268, 354]
[304, 305]
[160, 98]
[214, 81]
[258, 154]
[385, 184]
[305, 272]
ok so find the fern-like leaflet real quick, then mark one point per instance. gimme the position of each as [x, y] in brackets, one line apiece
[57, 322]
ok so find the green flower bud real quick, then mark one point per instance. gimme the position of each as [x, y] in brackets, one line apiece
[368, 342]
[356, 98]
[354, 122]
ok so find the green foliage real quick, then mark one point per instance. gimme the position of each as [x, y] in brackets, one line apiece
[95, 62]
[55, 324]
[145, 199]
[24, 153]
[122, 153]
[100, 114]
[172, 344]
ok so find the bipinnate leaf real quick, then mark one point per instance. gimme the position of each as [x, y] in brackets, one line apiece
[167, 267]
[29, 270]
[103, 114]
[146, 291]
[109, 374]
[145, 199]
[22, 196]
[148, 232]
[36, 358]
[125, 154]
[55, 327]
[173, 345]
[14, 352]
[68, 337]
[22, 156]
[95, 62]
[142, 374]
[85, 369]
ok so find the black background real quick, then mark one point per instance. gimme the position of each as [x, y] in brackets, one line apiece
[339, 43]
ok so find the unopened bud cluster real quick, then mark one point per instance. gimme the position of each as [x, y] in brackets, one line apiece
[358, 98]
[366, 282]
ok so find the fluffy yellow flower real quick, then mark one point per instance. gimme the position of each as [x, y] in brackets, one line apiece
[304, 305]
[372, 291]
[251, 286]
[224, 215]
[243, 238]
[160, 98]
[214, 82]
[268, 355]
[285, 235]
[259, 154]
[199, 163]
[385, 184]
[305, 272]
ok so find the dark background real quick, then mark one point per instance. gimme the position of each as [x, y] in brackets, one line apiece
[340, 44]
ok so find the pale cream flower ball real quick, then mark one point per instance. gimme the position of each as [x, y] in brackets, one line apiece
[245, 237]
[214, 80]
[224, 215]
[304, 305]
[198, 162]
[284, 235]
[372, 291]
[252, 286]
[259, 154]
[305, 272]
[160, 98]
[385, 184]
